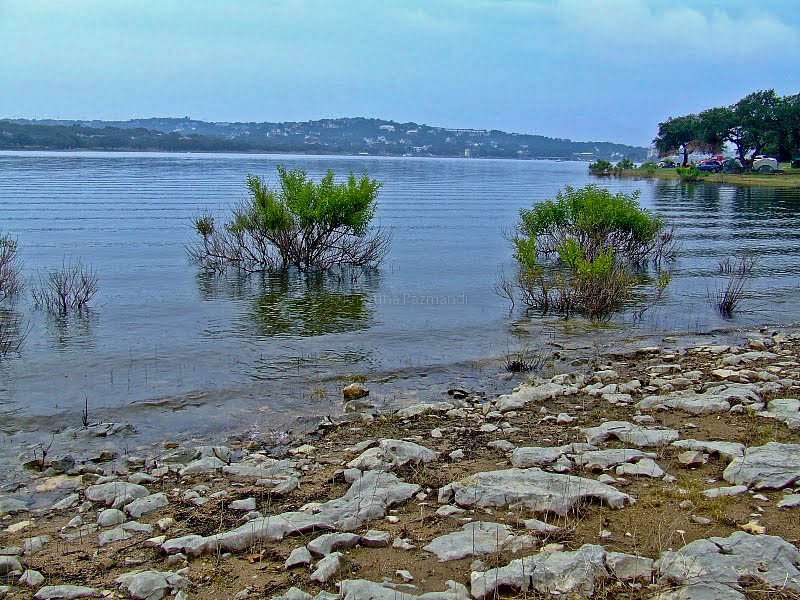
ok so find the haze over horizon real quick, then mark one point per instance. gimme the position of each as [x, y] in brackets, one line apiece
[584, 70]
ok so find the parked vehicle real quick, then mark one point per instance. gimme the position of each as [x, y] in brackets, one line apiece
[796, 163]
[764, 164]
[712, 166]
[732, 165]
[667, 163]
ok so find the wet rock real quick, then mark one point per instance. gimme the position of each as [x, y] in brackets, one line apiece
[786, 410]
[630, 433]
[627, 567]
[474, 539]
[421, 408]
[151, 585]
[601, 460]
[536, 489]
[31, 578]
[299, 557]
[361, 589]
[110, 516]
[716, 399]
[12, 506]
[725, 562]
[116, 493]
[9, 564]
[148, 504]
[327, 567]
[66, 592]
[552, 573]
[328, 542]
[771, 466]
[392, 453]
[355, 391]
[729, 450]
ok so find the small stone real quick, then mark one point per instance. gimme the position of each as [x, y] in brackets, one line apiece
[402, 544]
[376, 539]
[246, 504]
[448, 510]
[700, 520]
[565, 418]
[502, 445]
[355, 391]
[731, 490]
[9, 564]
[789, 500]
[691, 458]
[456, 454]
[327, 567]
[111, 516]
[605, 534]
[404, 575]
[436, 433]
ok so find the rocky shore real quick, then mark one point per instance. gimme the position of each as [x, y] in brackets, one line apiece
[662, 472]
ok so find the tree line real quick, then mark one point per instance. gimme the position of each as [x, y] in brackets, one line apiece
[760, 123]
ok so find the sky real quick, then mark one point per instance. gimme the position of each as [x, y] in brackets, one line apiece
[604, 70]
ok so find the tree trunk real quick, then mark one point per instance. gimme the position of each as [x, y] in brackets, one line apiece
[685, 156]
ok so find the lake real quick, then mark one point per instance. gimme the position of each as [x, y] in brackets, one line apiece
[177, 352]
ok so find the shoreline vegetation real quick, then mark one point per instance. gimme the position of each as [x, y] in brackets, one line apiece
[789, 179]
[667, 452]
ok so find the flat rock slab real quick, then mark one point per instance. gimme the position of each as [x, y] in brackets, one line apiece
[328, 542]
[536, 489]
[720, 563]
[719, 398]
[533, 393]
[729, 450]
[630, 433]
[267, 469]
[361, 589]
[151, 585]
[558, 574]
[145, 505]
[392, 453]
[116, 493]
[601, 460]
[66, 592]
[474, 539]
[369, 497]
[422, 408]
[786, 410]
[525, 457]
[771, 466]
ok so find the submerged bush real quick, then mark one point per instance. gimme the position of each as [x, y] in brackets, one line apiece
[737, 274]
[67, 289]
[10, 279]
[586, 250]
[302, 224]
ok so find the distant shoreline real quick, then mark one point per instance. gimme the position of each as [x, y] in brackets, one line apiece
[784, 180]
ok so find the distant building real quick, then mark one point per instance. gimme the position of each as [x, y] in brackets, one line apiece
[387, 127]
[467, 152]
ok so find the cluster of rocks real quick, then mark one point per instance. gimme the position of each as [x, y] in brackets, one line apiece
[137, 504]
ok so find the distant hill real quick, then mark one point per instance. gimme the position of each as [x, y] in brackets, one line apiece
[326, 136]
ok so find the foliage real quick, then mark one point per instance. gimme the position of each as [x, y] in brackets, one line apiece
[580, 251]
[648, 166]
[691, 173]
[680, 134]
[11, 284]
[600, 166]
[625, 164]
[302, 224]
[737, 273]
[68, 288]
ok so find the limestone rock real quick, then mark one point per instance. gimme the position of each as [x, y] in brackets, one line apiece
[116, 493]
[376, 539]
[360, 589]
[729, 450]
[110, 516]
[298, 557]
[31, 578]
[151, 585]
[536, 489]
[628, 567]
[474, 539]
[66, 592]
[716, 399]
[771, 466]
[630, 433]
[208, 464]
[12, 506]
[535, 457]
[9, 564]
[769, 560]
[646, 467]
[601, 460]
[328, 542]
[552, 573]
[786, 410]
[533, 393]
[421, 408]
[327, 567]
[732, 490]
[392, 453]
[142, 506]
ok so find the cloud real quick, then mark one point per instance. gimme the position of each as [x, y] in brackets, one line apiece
[681, 32]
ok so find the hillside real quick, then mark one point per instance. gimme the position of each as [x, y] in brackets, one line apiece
[326, 136]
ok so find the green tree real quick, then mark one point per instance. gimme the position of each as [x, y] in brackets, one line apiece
[787, 137]
[679, 134]
[302, 224]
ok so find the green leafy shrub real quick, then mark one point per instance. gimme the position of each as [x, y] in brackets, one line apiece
[691, 173]
[582, 251]
[625, 164]
[302, 224]
[600, 167]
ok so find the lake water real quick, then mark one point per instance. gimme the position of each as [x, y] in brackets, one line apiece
[173, 350]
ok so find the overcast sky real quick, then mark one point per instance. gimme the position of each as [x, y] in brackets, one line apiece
[582, 69]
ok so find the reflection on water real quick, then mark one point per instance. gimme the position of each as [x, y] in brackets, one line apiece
[289, 303]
